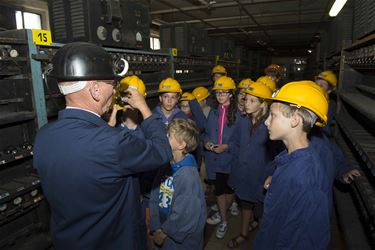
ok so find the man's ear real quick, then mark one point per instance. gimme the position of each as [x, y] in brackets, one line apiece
[95, 91]
[160, 98]
[295, 120]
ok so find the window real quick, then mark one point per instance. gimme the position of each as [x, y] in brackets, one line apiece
[154, 43]
[28, 20]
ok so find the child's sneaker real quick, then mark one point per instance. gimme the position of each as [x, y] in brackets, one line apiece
[234, 209]
[214, 208]
[221, 230]
[214, 219]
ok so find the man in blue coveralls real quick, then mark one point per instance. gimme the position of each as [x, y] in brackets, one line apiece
[88, 168]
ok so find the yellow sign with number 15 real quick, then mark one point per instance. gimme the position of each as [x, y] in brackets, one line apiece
[42, 37]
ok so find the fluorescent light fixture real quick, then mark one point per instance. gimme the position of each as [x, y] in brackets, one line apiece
[309, 51]
[336, 7]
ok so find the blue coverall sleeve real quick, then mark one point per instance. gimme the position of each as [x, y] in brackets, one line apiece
[307, 224]
[234, 141]
[184, 216]
[139, 155]
[198, 114]
[154, 209]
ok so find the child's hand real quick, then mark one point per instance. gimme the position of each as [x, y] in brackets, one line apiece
[209, 146]
[349, 176]
[267, 182]
[220, 148]
[159, 237]
[112, 118]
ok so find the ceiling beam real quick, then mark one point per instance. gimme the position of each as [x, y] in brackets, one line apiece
[228, 18]
[254, 28]
[217, 5]
[166, 2]
[254, 20]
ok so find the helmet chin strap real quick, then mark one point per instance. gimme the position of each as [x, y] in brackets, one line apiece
[69, 87]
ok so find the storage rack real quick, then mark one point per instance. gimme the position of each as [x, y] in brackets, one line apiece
[355, 117]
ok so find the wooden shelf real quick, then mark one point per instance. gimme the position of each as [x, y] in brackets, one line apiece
[360, 138]
[361, 43]
[361, 103]
[13, 117]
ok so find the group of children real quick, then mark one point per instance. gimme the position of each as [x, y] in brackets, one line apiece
[268, 149]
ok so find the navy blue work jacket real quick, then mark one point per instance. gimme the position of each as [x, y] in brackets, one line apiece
[250, 161]
[218, 163]
[88, 175]
[296, 207]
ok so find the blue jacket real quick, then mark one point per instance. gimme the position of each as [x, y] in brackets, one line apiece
[218, 163]
[87, 172]
[296, 207]
[250, 161]
[186, 219]
[176, 113]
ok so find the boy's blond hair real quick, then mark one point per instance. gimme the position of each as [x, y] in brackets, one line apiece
[185, 130]
[308, 117]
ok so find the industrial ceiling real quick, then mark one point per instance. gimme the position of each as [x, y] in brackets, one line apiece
[279, 26]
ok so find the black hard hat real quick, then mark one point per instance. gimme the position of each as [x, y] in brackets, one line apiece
[81, 61]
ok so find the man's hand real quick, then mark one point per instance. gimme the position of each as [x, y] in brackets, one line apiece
[137, 101]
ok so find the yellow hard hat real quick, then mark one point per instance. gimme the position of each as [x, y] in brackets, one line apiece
[259, 90]
[218, 69]
[328, 76]
[169, 85]
[132, 82]
[305, 94]
[268, 82]
[187, 96]
[121, 89]
[274, 68]
[224, 83]
[245, 83]
[200, 93]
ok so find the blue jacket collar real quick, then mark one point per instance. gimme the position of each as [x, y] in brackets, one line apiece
[81, 115]
[283, 158]
[188, 161]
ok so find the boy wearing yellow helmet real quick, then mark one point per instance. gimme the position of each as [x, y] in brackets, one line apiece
[297, 204]
[169, 94]
[274, 72]
[184, 103]
[244, 84]
[201, 94]
[218, 71]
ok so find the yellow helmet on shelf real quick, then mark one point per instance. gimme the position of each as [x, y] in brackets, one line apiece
[259, 90]
[328, 76]
[169, 85]
[224, 83]
[218, 69]
[187, 96]
[245, 83]
[200, 93]
[268, 82]
[305, 94]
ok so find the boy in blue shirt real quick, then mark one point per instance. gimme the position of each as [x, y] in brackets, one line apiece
[177, 203]
[297, 204]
